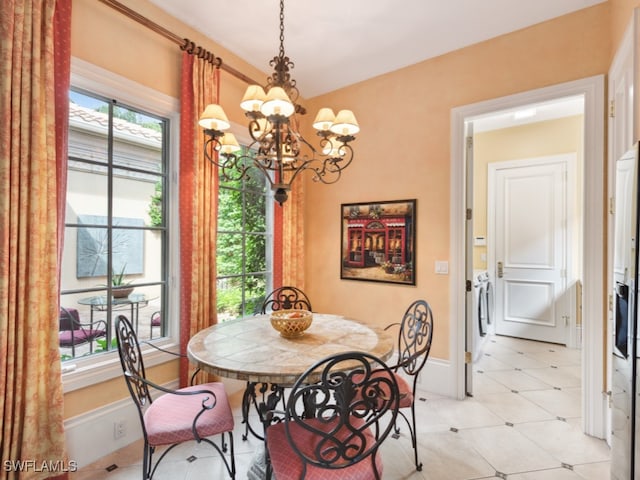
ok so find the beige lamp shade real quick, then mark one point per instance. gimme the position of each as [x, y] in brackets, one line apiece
[324, 119]
[277, 103]
[228, 143]
[253, 98]
[345, 123]
[214, 118]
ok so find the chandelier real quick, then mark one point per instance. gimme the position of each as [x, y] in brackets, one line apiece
[277, 148]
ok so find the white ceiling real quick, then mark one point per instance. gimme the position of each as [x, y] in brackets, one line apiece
[335, 43]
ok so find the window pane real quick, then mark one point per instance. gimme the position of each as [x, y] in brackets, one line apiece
[228, 255]
[255, 212]
[256, 253]
[230, 210]
[88, 127]
[87, 187]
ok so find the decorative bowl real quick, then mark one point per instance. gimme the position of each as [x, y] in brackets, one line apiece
[291, 323]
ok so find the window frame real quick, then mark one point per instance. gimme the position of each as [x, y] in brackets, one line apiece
[244, 139]
[86, 371]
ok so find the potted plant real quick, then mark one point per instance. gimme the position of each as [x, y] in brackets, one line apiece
[120, 287]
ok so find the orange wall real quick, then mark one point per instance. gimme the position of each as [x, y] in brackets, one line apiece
[403, 151]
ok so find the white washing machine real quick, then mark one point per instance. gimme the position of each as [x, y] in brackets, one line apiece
[482, 310]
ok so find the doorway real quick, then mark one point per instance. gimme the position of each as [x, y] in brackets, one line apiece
[590, 258]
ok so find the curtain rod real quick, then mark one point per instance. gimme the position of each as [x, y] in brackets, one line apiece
[185, 43]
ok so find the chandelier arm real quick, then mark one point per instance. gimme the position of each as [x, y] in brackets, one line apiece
[231, 167]
[332, 167]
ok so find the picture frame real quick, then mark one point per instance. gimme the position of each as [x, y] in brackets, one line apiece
[378, 241]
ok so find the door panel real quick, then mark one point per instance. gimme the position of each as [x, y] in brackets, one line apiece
[531, 236]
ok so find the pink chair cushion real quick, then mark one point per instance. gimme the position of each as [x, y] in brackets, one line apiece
[79, 336]
[169, 419]
[287, 463]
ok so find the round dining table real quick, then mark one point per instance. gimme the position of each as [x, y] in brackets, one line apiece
[250, 349]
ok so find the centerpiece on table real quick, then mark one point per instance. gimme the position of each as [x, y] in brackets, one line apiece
[291, 323]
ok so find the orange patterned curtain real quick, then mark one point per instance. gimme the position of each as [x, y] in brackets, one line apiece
[198, 205]
[35, 33]
[293, 237]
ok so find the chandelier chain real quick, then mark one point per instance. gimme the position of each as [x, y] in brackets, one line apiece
[281, 28]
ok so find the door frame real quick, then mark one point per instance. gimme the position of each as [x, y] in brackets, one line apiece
[569, 160]
[594, 316]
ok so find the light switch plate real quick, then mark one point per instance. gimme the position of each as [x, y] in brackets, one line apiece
[442, 267]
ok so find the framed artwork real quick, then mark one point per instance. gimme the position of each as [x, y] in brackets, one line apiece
[378, 241]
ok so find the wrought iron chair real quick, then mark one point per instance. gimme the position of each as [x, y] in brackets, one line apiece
[72, 332]
[337, 415]
[176, 416]
[285, 298]
[282, 298]
[414, 344]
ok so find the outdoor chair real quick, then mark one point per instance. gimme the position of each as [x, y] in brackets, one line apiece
[72, 332]
[285, 298]
[155, 322]
[337, 415]
[414, 344]
[176, 416]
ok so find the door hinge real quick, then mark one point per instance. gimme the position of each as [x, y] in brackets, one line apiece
[467, 286]
[612, 206]
[612, 108]
[469, 142]
[467, 357]
[469, 214]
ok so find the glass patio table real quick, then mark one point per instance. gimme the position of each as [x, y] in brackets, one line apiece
[99, 303]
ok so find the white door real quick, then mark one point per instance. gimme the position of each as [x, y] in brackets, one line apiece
[530, 203]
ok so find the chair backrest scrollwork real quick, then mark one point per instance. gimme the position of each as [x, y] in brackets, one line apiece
[132, 363]
[349, 402]
[415, 336]
[286, 298]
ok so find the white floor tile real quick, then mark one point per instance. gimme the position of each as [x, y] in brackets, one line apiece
[509, 451]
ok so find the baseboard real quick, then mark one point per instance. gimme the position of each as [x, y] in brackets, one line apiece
[438, 377]
[92, 435]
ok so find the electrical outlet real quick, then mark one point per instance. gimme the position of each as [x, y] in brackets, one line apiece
[119, 429]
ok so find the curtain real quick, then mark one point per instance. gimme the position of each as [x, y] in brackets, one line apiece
[198, 205]
[292, 241]
[34, 58]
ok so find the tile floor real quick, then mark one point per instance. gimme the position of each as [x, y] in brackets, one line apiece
[523, 423]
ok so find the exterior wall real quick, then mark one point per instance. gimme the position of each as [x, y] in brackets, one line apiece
[403, 151]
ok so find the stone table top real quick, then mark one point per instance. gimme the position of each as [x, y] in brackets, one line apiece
[251, 349]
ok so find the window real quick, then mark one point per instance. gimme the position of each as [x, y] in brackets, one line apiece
[118, 252]
[245, 245]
